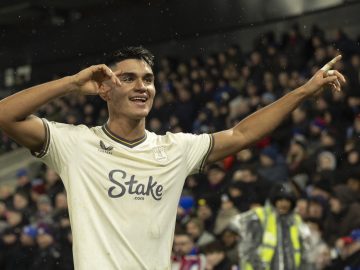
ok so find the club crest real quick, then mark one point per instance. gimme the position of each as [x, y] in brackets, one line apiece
[160, 154]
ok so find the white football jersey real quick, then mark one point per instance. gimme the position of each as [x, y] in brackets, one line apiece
[122, 195]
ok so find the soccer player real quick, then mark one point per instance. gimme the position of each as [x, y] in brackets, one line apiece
[123, 182]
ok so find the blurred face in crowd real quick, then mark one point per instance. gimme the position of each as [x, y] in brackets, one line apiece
[353, 184]
[26, 240]
[193, 229]
[283, 206]
[204, 212]
[244, 155]
[326, 162]
[133, 99]
[44, 240]
[14, 218]
[5, 191]
[51, 176]
[183, 244]
[248, 176]
[215, 176]
[353, 157]
[315, 210]
[335, 205]
[266, 161]
[44, 207]
[302, 208]
[9, 238]
[229, 238]
[20, 202]
[60, 201]
[23, 180]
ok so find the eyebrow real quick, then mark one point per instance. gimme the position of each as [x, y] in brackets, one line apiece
[135, 74]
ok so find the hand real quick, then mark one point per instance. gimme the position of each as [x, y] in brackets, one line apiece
[89, 80]
[325, 76]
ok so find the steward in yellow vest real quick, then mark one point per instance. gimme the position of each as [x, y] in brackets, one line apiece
[273, 237]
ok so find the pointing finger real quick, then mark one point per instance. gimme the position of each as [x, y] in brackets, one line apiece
[330, 64]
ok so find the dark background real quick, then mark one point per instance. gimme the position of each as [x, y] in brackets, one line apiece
[62, 36]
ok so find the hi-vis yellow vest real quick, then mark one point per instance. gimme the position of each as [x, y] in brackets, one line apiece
[267, 248]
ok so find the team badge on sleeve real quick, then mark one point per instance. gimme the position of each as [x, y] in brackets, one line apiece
[160, 154]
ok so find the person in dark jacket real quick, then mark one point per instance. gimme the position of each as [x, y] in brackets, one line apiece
[216, 258]
[48, 255]
[344, 214]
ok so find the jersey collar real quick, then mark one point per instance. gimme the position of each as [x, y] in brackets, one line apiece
[123, 141]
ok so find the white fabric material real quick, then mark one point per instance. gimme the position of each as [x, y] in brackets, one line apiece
[122, 200]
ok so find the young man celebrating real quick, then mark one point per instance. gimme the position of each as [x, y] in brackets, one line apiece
[123, 182]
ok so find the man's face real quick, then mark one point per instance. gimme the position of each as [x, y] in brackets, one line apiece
[134, 97]
[183, 245]
[335, 205]
[283, 206]
[193, 229]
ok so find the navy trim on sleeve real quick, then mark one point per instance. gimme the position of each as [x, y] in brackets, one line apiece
[45, 148]
[211, 145]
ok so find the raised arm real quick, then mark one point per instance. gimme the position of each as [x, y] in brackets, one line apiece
[265, 120]
[16, 118]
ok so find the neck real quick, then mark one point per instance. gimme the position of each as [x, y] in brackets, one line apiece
[127, 129]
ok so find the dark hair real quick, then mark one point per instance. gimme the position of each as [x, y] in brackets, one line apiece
[138, 52]
[282, 191]
[212, 247]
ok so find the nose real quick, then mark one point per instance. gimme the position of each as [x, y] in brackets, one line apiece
[140, 85]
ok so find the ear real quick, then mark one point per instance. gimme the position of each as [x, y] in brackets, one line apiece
[104, 91]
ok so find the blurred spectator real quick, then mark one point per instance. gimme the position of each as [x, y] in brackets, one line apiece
[273, 237]
[200, 236]
[53, 184]
[185, 254]
[206, 212]
[271, 166]
[216, 258]
[344, 214]
[317, 208]
[23, 182]
[22, 202]
[28, 248]
[44, 210]
[226, 213]
[229, 238]
[347, 252]
[48, 256]
[296, 157]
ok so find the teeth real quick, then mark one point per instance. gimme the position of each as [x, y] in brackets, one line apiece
[138, 99]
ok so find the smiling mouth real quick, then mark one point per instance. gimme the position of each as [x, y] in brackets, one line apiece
[139, 100]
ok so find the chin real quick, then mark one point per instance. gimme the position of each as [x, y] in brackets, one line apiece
[140, 116]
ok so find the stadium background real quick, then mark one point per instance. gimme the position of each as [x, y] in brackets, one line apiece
[42, 40]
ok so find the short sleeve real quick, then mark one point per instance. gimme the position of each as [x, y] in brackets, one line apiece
[196, 150]
[59, 145]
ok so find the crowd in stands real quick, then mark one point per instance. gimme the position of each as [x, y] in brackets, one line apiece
[316, 151]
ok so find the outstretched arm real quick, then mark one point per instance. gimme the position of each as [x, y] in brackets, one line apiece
[265, 120]
[15, 111]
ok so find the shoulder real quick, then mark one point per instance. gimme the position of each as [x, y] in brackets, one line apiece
[64, 126]
[175, 137]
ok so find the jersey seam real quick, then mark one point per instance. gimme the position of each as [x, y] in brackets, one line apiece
[211, 145]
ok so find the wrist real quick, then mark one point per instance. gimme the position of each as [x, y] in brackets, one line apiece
[303, 92]
[72, 84]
